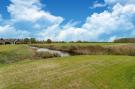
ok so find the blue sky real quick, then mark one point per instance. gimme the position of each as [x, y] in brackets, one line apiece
[68, 20]
[76, 10]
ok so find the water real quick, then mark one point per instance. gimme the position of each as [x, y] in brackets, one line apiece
[62, 54]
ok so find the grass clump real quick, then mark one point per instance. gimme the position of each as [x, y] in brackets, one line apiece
[46, 55]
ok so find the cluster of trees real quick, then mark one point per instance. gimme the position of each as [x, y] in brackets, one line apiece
[125, 40]
[29, 40]
[33, 40]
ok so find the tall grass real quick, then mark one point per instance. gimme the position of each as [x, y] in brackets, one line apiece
[93, 50]
[121, 50]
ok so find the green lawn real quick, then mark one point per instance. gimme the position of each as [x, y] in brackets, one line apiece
[76, 72]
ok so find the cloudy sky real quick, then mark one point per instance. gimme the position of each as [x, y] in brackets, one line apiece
[68, 20]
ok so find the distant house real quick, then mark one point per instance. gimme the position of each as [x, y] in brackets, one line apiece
[9, 41]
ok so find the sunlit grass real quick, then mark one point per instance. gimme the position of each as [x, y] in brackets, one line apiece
[76, 72]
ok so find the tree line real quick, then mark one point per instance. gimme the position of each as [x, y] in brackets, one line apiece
[34, 40]
[125, 40]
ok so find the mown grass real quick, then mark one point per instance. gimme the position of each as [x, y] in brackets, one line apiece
[76, 72]
[13, 53]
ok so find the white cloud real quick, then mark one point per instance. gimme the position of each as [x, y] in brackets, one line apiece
[50, 32]
[29, 16]
[123, 2]
[68, 32]
[7, 31]
[31, 11]
[98, 5]
[112, 39]
[104, 26]
[117, 22]
[73, 34]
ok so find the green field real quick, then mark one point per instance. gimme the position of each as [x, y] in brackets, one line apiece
[78, 72]
[23, 71]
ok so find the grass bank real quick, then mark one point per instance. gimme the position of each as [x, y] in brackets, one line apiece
[91, 49]
[14, 53]
[87, 44]
[76, 72]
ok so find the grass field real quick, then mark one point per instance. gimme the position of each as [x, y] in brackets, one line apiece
[76, 72]
[18, 71]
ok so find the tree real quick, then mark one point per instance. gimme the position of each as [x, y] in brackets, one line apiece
[79, 41]
[125, 40]
[33, 40]
[26, 40]
[49, 41]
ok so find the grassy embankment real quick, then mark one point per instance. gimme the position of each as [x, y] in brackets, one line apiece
[14, 53]
[76, 72]
[92, 48]
[89, 44]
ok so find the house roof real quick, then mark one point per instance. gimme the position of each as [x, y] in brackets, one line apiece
[8, 40]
